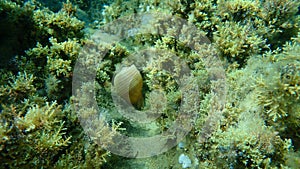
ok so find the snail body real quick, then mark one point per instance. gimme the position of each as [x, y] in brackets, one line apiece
[128, 84]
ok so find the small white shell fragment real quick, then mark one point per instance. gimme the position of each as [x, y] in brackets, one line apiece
[185, 161]
[181, 145]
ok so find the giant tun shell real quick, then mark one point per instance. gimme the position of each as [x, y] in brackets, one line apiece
[128, 84]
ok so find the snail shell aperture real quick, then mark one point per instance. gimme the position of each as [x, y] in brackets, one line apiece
[128, 84]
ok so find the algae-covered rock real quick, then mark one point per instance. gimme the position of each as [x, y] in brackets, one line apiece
[229, 69]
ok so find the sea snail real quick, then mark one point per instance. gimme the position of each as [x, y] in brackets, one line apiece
[128, 84]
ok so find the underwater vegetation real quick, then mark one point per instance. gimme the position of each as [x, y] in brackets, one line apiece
[245, 113]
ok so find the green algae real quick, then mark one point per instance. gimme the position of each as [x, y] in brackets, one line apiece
[258, 43]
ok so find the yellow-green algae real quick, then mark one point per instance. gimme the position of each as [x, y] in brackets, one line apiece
[258, 42]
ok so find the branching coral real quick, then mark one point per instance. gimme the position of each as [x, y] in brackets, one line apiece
[41, 125]
[237, 42]
[238, 10]
[18, 88]
[60, 25]
[247, 145]
[278, 92]
[281, 21]
[36, 119]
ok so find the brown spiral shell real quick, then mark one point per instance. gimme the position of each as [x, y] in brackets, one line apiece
[128, 84]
